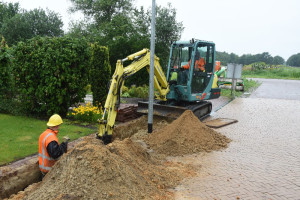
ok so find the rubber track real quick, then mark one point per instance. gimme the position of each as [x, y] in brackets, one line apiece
[201, 110]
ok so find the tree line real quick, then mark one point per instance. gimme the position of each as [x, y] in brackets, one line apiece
[265, 57]
[247, 59]
[118, 24]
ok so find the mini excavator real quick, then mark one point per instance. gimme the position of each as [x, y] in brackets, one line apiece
[190, 80]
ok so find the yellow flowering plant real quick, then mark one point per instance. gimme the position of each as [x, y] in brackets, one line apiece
[86, 113]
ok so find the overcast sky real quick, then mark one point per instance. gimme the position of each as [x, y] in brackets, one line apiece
[238, 26]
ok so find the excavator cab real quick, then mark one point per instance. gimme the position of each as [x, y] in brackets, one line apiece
[194, 63]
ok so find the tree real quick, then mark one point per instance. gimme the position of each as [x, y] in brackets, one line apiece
[7, 11]
[266, 57]
[294, 60]
[102, 11]
[32, 23]
[226, 58]
[126, 29]
[277, 60]
[167, 30]
[110, 25]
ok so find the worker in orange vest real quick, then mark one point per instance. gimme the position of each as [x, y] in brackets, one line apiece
[199, 63]
[49, 148]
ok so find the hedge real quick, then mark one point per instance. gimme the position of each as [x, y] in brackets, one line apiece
[51, 74]
[7, 102]
[100, 73]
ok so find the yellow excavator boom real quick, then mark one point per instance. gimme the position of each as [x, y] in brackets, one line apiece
[140, 60]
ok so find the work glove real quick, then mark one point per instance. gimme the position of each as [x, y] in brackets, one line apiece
[66, 139]
[64, 146]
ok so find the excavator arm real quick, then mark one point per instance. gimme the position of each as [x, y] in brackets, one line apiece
[140, 60]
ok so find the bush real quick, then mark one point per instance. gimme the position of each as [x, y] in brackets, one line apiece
[87, 113]
[100, 73]
[88, 89]
[258, 66]
[5, 68]
[142, 92]
[51, 74]
[138, 92]
[7, 100]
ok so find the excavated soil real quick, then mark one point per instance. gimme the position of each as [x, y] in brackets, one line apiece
[132, 166]
[138, 129]
[120, 170]
[186, 135]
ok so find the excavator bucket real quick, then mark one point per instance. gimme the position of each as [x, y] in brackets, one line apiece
[161, 110]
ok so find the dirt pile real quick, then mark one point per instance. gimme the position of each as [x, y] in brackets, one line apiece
[138, 129]
[186, 135]
[120, 170]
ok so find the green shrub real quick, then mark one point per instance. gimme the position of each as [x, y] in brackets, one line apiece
[258, 66]
[5, 68]
[126, 95]
[132, 91]
[88, 89]
[124, 89]
[50, 74]
[142, 92]
[138, 92]
[8, 104]
[100, 73]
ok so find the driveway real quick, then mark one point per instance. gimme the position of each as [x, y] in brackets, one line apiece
[263, 159]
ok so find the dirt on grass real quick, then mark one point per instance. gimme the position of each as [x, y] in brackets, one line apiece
[128, 168]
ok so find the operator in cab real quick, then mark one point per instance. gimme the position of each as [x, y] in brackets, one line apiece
[199, 63]
[49, 148]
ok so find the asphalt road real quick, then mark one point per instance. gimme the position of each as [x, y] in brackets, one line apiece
[277, 89]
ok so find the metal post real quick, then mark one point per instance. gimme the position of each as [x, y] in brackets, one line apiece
[233, 82]
[151, 78]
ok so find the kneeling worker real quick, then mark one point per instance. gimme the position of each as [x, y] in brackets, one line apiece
[49, 148]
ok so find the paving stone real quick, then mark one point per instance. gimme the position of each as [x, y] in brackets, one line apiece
[261, 162]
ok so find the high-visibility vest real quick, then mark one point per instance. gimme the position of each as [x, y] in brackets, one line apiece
[45, 161]
[173, 76]
[200, 64]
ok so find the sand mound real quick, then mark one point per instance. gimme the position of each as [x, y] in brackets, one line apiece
[138, 128]
[120, 170]
[186, 135]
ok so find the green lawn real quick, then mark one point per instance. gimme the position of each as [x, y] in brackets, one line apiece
[274, 73]
[19, 136]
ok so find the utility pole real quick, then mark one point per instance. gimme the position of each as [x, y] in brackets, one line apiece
[151, 78]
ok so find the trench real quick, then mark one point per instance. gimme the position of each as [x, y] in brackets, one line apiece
[18, 175]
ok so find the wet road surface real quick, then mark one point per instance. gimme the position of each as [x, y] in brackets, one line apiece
[263, 159]
[277, 89]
